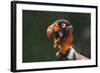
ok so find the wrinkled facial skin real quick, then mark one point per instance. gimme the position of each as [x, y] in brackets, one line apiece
[52, 28]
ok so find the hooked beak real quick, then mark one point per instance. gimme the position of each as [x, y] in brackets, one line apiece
[52, 28]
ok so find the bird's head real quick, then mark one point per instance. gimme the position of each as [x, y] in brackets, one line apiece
[63, 37]
[62, 27]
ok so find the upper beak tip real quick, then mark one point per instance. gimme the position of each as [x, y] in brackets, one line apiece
[49, 32]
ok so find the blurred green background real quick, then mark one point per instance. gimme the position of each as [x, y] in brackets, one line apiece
[37, 47]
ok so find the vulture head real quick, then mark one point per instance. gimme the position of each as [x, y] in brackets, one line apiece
[63, 38]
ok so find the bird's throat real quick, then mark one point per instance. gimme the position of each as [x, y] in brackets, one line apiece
[67, 43]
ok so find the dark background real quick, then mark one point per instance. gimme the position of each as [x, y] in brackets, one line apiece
[37, 47]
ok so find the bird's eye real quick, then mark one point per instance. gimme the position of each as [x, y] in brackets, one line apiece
[63, 25]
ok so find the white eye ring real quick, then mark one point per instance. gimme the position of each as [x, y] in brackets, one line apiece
[63, 25]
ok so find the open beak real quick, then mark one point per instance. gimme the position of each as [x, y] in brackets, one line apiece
[52, 28]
